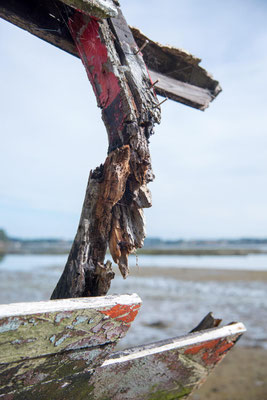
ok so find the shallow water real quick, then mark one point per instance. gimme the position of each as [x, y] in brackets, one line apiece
[171, 307]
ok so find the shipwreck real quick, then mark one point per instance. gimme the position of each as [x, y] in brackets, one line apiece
[64, 348]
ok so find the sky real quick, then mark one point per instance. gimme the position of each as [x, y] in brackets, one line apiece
[210, 167]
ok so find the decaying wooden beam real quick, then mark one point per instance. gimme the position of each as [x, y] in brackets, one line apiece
[207, 322]
[176, 64]
[184, 80]
[116, 193]
[181, 92]
[85, 273]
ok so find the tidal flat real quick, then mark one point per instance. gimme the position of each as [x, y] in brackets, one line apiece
[177, 292]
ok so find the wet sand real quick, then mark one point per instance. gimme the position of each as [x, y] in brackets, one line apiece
[242, 375]
[199, 274]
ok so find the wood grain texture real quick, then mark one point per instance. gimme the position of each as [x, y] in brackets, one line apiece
[85, 273]
[62, 338]
[180, 91]
[170, 369]
[176, 63]
[46, 20]
[117, 192]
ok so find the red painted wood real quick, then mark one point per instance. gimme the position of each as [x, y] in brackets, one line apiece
[124, 313]
[211, 352]
[94, 54]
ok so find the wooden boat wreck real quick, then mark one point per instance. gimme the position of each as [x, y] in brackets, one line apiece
[63, 348]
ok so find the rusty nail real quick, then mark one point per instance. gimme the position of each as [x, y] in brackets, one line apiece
[163, 101]
[153, 84]
[142, 47]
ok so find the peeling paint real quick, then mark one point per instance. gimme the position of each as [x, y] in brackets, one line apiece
[101, 72]
[61, 340]
[79, 319]
[52, 338]
[10, 324]
[57, 331]
[61, 316]
[123, 313]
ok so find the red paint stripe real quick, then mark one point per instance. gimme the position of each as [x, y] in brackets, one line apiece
[86, 34]
[121, 312]
[211, 352]
[208, 345]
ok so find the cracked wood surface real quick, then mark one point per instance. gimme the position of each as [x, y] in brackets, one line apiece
[60, 338]
[117, 192]
[169, 369]
[184, 80]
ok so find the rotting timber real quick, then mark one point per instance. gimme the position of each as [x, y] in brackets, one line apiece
[117, 191]
[175, 73]
[63, 349]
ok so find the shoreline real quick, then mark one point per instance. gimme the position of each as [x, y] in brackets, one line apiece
[197, 274]
[148, 251]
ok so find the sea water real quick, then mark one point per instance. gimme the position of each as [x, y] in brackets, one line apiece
[171, 307]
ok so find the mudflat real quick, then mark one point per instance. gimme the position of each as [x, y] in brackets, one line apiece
[199, 274]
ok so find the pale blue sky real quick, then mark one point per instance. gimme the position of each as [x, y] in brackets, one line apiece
[211, 167]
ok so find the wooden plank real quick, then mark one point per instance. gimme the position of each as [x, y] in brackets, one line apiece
[168, 369]
[46, 20]
[181, 92]
[30, 330]
[176, 63]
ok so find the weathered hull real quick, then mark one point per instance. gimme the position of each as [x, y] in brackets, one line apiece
[49, 341]
[63, 350]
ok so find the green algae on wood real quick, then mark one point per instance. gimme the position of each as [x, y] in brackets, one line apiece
[69, 326]
[55, 340]
[167, 370]
[170, 395]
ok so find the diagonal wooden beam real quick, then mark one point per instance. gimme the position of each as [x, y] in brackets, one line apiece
[46, 20]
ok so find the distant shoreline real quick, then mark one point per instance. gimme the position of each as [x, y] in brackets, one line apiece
[197, 274]
[154, 251]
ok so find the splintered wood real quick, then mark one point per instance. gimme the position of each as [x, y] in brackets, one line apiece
[117, 192]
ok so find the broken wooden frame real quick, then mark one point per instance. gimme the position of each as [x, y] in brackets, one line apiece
[63, 349]
[178, 74]
[117, 191]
